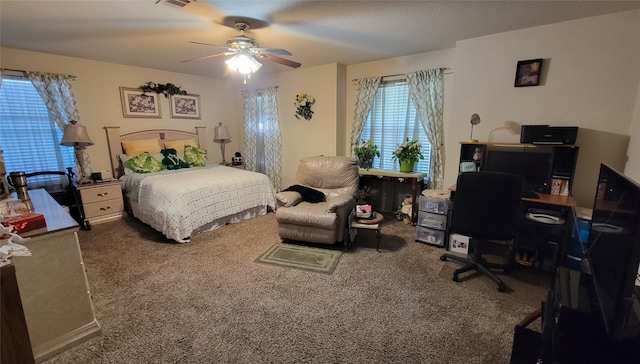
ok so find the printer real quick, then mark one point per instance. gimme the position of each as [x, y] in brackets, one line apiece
[545, 134]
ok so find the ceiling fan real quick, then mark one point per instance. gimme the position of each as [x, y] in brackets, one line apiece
[246, 52]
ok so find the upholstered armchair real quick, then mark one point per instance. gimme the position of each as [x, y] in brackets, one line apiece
[332, 181]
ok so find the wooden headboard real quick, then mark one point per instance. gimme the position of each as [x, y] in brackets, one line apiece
[114, 141]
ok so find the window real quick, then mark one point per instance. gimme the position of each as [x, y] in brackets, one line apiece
[393, 119]
[29, 137]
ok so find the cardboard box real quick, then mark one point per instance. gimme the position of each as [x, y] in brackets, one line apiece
[26, 222]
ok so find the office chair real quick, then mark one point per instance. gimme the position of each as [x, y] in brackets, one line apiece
[486, 206]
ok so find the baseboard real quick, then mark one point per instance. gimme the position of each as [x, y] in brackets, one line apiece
[64, 342]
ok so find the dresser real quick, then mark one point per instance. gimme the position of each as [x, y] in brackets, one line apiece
[102, 202]
[53, 283]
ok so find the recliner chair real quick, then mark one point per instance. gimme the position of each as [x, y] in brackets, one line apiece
[324, 222]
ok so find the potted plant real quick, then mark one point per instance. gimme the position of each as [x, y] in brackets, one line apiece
[408, 153]
[365, 151]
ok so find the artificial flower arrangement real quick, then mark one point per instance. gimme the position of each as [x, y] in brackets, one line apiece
[365, 151]
[165, 89]
[409, 153]
[303, 105]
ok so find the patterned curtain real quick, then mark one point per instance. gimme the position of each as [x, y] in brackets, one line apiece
[262, 143]
[56, 93]
[365, 94]
[426, 89]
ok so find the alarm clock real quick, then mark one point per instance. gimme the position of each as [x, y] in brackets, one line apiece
[237, 159]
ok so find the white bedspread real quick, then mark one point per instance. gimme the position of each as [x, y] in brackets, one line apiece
[179, 202]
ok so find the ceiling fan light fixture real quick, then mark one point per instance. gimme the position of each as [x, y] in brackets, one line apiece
[243, 63]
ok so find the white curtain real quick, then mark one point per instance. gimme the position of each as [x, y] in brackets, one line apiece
[426, 89]
[262, 142]
[365, 94]
[56, 93]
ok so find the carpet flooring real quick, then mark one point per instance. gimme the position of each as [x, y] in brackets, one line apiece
[208, 301]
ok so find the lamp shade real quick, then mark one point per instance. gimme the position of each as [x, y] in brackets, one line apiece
[222, 134]
[243, 63]
[75, 135]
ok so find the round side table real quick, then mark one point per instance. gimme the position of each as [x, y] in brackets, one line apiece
[371, 224]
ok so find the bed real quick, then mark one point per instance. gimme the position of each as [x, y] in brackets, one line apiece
[184, 202]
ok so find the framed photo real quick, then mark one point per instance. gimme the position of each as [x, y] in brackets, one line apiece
[185, 106]
[459, 243]
[528, 72]
[136, 104]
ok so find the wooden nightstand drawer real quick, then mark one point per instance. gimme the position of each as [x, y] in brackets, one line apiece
[100, 193]
[102, 208]
[102, 202]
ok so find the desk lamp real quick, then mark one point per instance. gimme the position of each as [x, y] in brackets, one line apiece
[75, 135]
[223, 137]
[475, 120]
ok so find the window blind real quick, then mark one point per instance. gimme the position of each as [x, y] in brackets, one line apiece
[393, 119]
[29, 137]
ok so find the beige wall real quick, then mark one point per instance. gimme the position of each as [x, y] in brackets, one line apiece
[97, 93]
[632, 168]
[590, 79]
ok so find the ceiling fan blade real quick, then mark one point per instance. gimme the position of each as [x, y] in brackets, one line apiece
[276, 59]
[278, 51]
[209, 56]
[211, 45]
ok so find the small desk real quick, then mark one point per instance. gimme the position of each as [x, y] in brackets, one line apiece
[563, 203]
[415, 180]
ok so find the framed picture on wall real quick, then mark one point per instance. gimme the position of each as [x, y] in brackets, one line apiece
[185, 106]
[528, 72]
[136, 104]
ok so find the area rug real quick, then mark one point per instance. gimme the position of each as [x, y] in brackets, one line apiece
[301, 257]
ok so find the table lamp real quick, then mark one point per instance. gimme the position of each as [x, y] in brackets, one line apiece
[75, 135]
[475, 120]
[223, 137]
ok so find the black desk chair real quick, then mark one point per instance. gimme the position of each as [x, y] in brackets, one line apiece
[486, 207]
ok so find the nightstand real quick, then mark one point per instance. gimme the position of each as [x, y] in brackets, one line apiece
[102, 201]
[239, 166]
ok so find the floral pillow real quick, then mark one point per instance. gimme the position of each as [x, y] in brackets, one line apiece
[195, 156]
[144, 163]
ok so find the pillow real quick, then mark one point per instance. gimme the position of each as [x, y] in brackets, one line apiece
[171, 159]
[144, 163]
[178, 145]
[308, 194]
[195, 156]
[135, 147]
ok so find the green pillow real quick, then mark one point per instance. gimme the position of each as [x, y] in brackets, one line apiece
[171, 159]
[195, 156]
[144, 163]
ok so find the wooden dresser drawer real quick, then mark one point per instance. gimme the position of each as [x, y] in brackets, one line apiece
[103, 208]
[101, 193]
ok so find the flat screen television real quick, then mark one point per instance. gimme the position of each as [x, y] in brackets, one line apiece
[533, 166]
[613, 252]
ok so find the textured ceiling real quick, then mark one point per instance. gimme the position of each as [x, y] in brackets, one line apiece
[156, 35]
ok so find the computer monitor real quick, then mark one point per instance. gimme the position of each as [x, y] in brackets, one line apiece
[613, 252]
[533, 166]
